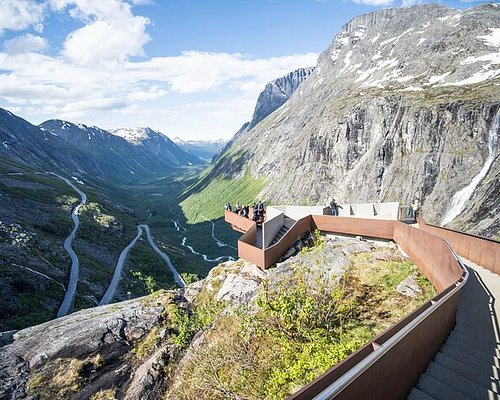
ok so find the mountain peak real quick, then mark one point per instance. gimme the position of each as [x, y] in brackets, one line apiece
[136, 136]
[277, 92]
[414, 49]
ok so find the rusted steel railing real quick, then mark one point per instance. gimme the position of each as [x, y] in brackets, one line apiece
[389, 366]
[483, 251]
[367, 227]
[246, 245]
[239, 223]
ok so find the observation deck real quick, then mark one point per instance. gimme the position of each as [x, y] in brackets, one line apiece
[446, 349]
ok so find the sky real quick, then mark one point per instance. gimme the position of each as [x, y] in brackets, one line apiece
[188, 68]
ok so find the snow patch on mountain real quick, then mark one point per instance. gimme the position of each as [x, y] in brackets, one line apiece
[135, 136]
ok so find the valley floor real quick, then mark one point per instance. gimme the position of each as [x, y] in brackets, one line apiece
[35, 220]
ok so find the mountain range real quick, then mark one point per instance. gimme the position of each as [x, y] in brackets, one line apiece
[204, 149]
[82, 150]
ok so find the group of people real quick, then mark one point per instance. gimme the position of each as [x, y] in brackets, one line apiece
[258, 210]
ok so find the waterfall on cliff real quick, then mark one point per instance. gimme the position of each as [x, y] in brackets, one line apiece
[460, 198]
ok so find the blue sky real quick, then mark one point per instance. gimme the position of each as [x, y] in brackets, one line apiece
[188, 68]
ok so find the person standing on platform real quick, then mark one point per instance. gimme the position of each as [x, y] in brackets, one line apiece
[415, 208]
[334, 207]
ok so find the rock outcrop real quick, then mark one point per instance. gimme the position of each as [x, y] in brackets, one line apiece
[109, 331]
[399, 106]
[128, 350]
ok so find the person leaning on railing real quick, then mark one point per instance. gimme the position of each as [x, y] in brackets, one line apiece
[334, 207]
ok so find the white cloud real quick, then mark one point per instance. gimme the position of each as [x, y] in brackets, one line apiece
[112, 33]
[25, 44]
[79, 108]
[154, 92]
[77, 89]
[195, 71]
[107, 41]
[17, 15]
[88, 10]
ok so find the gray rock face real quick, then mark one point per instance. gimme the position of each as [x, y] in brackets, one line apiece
[399, 106]
[409, 287]
[241, 285]
[276, 93]
[147, 379]
[108, 330]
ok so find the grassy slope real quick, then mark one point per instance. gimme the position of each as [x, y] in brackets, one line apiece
[208, 204]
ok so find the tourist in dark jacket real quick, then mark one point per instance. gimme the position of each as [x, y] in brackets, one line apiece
[334, 207]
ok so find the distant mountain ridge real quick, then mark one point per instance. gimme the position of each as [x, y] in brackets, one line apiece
[147, 152]
[40, 149]
[204, 149]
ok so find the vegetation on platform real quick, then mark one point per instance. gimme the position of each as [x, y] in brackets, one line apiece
[302, 327]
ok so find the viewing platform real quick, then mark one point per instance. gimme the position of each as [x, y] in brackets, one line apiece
[449, 348]
[264, 243]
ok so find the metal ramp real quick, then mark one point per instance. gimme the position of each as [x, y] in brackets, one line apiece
[467, 366]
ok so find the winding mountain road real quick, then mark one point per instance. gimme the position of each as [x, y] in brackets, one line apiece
[110, 292]
[69, 295]
[177, 278]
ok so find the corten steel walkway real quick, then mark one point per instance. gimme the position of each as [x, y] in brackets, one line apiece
[467, 365]
[419, 349]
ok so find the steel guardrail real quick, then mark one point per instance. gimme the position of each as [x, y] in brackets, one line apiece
[349, 377]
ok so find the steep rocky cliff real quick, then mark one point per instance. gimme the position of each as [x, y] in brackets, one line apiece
[402, 104]
[274, 95]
